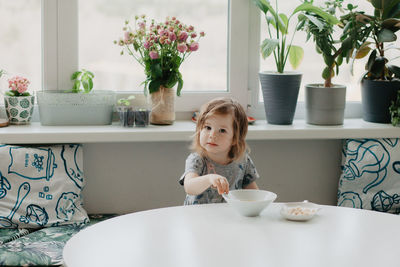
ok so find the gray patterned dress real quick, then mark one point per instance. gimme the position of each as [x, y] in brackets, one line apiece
[239, 174]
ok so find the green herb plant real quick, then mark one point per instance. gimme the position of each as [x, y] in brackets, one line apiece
[83, 81]
[125, 101]
[279, 41]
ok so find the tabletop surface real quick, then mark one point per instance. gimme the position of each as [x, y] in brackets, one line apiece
[215, 235]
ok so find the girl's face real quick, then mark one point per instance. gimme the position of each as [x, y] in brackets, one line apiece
[216, 137]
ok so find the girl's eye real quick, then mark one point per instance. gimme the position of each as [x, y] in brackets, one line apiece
[222, 131]
[207, 128]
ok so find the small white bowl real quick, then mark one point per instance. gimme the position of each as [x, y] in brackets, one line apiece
[299, 211]
[249, 202]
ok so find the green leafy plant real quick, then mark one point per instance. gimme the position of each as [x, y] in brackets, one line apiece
[394, 110]
[83, 81]
[278, 43]
[333, 51]
[125, 101]
[379, 30]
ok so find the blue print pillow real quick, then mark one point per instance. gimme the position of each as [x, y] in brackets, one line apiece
[41, 186]
[370, 176]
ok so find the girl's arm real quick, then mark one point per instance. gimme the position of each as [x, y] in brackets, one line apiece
[195, 184]
[251, 185]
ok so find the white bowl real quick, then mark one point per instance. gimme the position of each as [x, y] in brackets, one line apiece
[249, 202]
[299, 211]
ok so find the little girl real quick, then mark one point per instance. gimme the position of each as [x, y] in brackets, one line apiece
[219, 161]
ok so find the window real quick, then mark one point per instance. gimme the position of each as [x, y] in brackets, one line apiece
[80, 34]
[218, 69]
[20, 46]
[312, 64]
[101, 22]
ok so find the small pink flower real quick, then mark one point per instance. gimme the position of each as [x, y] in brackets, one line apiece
[183, 36]
[193, 35]
[194, 46]
[147, 45]
[191, 28]
[153, 54]
[182, 47]
[172, 36]
[202, 34]
[19, 84]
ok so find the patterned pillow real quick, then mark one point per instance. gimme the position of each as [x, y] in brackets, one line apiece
[370, 176]
[41, 186]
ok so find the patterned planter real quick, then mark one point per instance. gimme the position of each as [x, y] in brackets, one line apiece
[19, 109]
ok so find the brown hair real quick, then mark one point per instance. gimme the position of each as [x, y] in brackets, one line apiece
[224, 106]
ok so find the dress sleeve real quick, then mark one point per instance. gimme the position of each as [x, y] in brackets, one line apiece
[251, 173]
[194, 163]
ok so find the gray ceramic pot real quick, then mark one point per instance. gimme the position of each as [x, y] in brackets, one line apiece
[376, 98]
[325, 105]
[280, 92]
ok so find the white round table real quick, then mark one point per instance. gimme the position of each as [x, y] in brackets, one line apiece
[214, 235]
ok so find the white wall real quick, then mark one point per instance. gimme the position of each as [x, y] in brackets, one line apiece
[128, 177]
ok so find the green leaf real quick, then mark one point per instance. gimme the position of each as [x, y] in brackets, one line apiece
[395, 70]
[265, 7]
[156, 70]
[75, 75]
[90, 82]
[315, 21]
[284, 23]
[296, 54]
[393, 12]
[180, 85]
[371, 60]
[271, 20]
[85, 86]
[154, 86]
[311, 8]
[391, 24]
[378, 67]
[268, 46]
[386, 35]
[327, 73]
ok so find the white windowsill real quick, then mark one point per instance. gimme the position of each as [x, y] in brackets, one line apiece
[35, 133]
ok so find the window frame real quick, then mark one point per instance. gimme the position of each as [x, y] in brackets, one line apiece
[60, 27]
[60, 52]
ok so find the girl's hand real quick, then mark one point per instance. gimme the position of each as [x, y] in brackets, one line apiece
[219, 182]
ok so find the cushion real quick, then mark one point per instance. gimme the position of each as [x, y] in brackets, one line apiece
[370, 176]
[42, 247]
[41, 186]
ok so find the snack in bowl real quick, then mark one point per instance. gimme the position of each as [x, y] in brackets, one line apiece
[249, 202]
[299, 211]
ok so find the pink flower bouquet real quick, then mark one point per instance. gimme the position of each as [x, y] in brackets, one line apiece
[18, 86]
[160, 48]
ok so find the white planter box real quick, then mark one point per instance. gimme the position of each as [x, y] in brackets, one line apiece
[61, 108]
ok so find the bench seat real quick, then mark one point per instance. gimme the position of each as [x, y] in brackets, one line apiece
[39, 247]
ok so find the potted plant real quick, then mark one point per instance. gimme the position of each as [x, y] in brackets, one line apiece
[280, 88]
[18, 102]
[380, 82]
[78, 106]
[125, 111]
[325, 103]
[160, 48]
